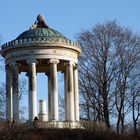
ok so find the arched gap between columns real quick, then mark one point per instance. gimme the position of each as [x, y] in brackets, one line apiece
[42, 90]
[23, 93]
[61, 101]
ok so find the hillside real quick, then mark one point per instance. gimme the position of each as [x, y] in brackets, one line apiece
[23, 133]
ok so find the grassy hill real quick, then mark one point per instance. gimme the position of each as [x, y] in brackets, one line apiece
[23, 133]
[94, 132]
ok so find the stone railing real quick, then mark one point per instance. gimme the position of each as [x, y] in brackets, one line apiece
[40, 40]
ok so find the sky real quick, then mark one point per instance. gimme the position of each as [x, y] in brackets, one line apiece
[66, 16]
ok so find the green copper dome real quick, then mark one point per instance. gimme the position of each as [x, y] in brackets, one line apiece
[40, 32]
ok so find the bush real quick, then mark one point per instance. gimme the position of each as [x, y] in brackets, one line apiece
[21, 132]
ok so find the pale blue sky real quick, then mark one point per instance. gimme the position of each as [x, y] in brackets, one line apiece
[66, 16]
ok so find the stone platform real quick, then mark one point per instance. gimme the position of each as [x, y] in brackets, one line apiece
[56, 125]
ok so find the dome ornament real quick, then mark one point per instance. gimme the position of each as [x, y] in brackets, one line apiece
[39, 23]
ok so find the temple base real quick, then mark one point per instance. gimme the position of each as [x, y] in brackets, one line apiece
[56, 125]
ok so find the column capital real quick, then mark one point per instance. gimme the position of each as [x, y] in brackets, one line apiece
[70, 63]
[30, 61]
[54, 61]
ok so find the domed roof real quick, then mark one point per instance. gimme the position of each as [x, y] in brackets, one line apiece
[40, 32]
[40, 29]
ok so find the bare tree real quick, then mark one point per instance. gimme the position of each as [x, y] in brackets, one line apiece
[2, 101]
[2, 92]
[109, 53]
[135, 104]
[128, 56]
[134, 98]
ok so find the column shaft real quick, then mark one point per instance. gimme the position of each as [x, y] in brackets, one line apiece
[9, 98]
[70, 91]
[15, 83]
[66, 95]
[54, 89]
[49, 98]
[76, 95]
[32, 99]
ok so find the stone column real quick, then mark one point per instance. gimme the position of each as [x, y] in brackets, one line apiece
[9, 96]
[66, 95]
[32, 98]
[54, 89]
[15, 85]
[49, 98]
[70, 91]
[76, 94]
